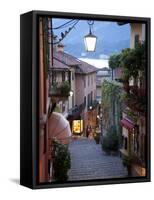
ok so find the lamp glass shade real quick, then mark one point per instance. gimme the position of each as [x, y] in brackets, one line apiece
[90, 42]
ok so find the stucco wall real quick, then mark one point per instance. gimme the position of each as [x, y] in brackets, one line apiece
[79, 89]
[91, 87]
[82, 89]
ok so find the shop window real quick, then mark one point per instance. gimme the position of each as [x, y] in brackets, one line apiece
[91, 97]
[84, 82]
[88, 80]
[88, 100]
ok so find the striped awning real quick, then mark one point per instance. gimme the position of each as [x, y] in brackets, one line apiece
[59, 128]
[127, 124]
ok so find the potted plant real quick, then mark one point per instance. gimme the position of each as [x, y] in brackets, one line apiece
[65, 88]
[61, 89]
[110, 141]
[61, 162]
[127, 161]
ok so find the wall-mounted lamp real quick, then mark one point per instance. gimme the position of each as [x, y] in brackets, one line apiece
[71, 93]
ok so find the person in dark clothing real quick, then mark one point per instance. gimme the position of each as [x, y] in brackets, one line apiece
[88, 130]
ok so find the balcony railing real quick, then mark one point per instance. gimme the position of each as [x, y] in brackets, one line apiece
[137, 104]
[59, 82]
[135, 98]
[60, 89]
[140, 91]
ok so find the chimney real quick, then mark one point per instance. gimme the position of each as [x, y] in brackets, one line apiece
[60, 47]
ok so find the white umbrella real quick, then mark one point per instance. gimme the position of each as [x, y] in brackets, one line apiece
[59, 128]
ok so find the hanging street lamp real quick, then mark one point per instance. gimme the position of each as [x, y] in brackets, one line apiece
[90, 39]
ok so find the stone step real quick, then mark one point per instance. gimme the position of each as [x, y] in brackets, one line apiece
[88, 161]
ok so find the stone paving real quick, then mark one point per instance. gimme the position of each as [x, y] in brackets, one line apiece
[88, 161]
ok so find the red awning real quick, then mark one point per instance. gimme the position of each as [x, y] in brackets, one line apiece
[127, 124]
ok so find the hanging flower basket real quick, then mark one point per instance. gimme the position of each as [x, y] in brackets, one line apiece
[60, 90]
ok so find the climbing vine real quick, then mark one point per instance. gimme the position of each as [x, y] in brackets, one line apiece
[111, 102]
[112, 111]
[133, 64]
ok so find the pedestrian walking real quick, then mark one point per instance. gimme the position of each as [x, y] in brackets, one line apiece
[88, 130]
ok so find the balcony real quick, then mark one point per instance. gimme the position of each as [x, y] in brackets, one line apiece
[134, 89]
[139, 91]
[59, 83]
[61, 89]
[136, 102]
[135, 97]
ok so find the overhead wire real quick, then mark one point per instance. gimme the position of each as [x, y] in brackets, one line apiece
[65, 24]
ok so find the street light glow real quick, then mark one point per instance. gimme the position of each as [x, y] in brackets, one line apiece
[71, 93]
[90, 107]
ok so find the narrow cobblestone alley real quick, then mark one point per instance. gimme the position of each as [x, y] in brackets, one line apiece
[88, 161]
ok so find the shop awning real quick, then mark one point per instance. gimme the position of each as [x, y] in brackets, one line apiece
[59, 128]
[127, 124]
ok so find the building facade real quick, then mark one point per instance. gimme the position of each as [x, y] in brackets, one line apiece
[133, 122]
[102, 74]
[81, 104]
[86, 94]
